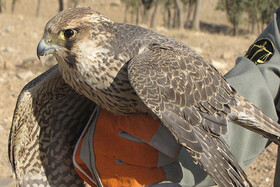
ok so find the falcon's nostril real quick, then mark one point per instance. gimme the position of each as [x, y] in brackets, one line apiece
[48, 41]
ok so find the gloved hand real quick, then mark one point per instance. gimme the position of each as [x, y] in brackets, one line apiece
[259, 73]
[133, 150]
[271, 72]
[256, 77]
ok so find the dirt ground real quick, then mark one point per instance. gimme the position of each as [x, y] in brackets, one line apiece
[20, 33]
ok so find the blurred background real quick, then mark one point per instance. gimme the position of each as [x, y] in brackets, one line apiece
[218, 30]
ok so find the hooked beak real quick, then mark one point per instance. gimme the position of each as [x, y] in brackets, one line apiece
[44, 49]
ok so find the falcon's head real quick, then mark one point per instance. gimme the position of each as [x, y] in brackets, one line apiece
[81, 40]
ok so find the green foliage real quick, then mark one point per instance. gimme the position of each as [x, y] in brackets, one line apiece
[257, 11]
[13, 5]
[186, 2]
[2, 5]
[134, 4]
[234, 10]
[266, 9]
[147, 4]
[260, 11]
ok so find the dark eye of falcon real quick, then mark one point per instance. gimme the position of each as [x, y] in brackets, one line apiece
[68, 33]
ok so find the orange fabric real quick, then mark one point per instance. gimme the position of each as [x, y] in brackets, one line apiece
[81, 163]
[109, 146]
[141, 168]
[138, 125]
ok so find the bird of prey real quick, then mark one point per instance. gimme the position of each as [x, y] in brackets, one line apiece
[128, 69]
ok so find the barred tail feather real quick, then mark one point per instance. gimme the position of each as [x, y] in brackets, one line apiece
[249, 116]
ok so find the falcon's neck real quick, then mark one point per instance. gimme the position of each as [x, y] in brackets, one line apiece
[99, 70]
[102, 77]
[118, 97]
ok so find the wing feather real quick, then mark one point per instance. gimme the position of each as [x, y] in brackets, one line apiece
[191, 98]
[48, 119]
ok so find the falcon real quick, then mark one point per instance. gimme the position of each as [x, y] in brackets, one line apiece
[127, 69]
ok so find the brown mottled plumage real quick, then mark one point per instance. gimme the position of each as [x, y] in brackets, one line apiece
[48, 120]
[128, 69]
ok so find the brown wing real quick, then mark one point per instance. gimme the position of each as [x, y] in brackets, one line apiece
[192, 100]
[48, 119]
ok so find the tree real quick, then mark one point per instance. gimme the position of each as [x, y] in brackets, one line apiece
[147, 4]
[73, 3]
[61, 5]
[178, 13]
[38, 8]
[135, 10]
[259, 13]
[142, 7]
[266, 10]
[154, 14]
[167, 14]
[126, 2]
[173, 11]
[196, 20]
[14, 5]
[1, 6]
[190, 11]
[132, 7]
[253, 12]
[234, 10]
